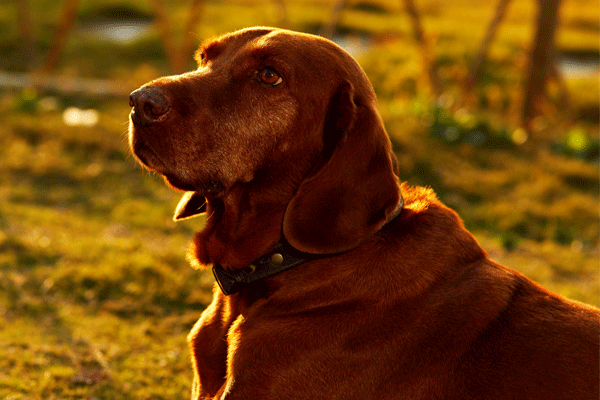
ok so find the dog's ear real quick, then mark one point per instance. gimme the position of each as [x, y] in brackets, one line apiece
[352, 193]
[190, 205]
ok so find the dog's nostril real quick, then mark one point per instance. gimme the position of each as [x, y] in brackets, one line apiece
[154, 110]
[148, 104]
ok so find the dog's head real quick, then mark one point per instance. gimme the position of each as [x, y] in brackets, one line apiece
[282, 116]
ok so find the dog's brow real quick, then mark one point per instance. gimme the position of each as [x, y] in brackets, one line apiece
[263, 50]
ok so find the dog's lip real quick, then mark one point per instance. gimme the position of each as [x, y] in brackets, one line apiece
[208, 189]
[173, 181]
[146, 155]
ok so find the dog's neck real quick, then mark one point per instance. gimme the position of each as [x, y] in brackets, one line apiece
[240, 227]
[282, 258]
[237, 237]
[248, 225]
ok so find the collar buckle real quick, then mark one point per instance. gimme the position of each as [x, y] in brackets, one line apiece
[278, 260]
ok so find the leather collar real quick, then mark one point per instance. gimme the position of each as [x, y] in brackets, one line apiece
[282, 258]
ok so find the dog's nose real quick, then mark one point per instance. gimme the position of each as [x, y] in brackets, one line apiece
[148, 105]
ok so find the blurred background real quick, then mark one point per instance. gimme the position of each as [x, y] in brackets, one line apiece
[493, 104]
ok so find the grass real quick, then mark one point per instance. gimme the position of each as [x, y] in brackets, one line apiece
[92, 270]
[96, 297]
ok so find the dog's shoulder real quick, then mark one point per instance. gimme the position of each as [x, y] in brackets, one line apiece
[428, 232]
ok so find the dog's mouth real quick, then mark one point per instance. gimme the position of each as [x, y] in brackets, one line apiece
[200, 197]
[178, 184]
[194, 203]
[149, 159]
[209, 188]
[144, 153]
[152, 161]
[215, 208]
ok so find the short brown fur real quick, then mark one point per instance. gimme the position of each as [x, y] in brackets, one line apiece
[409, 309]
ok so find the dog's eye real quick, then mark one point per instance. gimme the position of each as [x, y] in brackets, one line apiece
[270, 77]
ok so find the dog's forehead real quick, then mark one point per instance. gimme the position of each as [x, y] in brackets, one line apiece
[230, 41]
[304, 43]
[308, 56]
[279, 41]
[239, 39]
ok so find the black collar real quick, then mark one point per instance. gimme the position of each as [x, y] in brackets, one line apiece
[282, 258]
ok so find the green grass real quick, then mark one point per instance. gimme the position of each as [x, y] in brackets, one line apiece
[96, 297]
[91, 266]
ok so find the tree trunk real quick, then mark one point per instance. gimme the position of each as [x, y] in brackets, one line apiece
[541, 60]
[166, 33]
[67, 16]
[26, 28]
[189, 34]
[336, 13]
[424, 45]
[481, 55]
[283, 18]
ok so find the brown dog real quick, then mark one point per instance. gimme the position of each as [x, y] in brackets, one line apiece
[376, 290]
